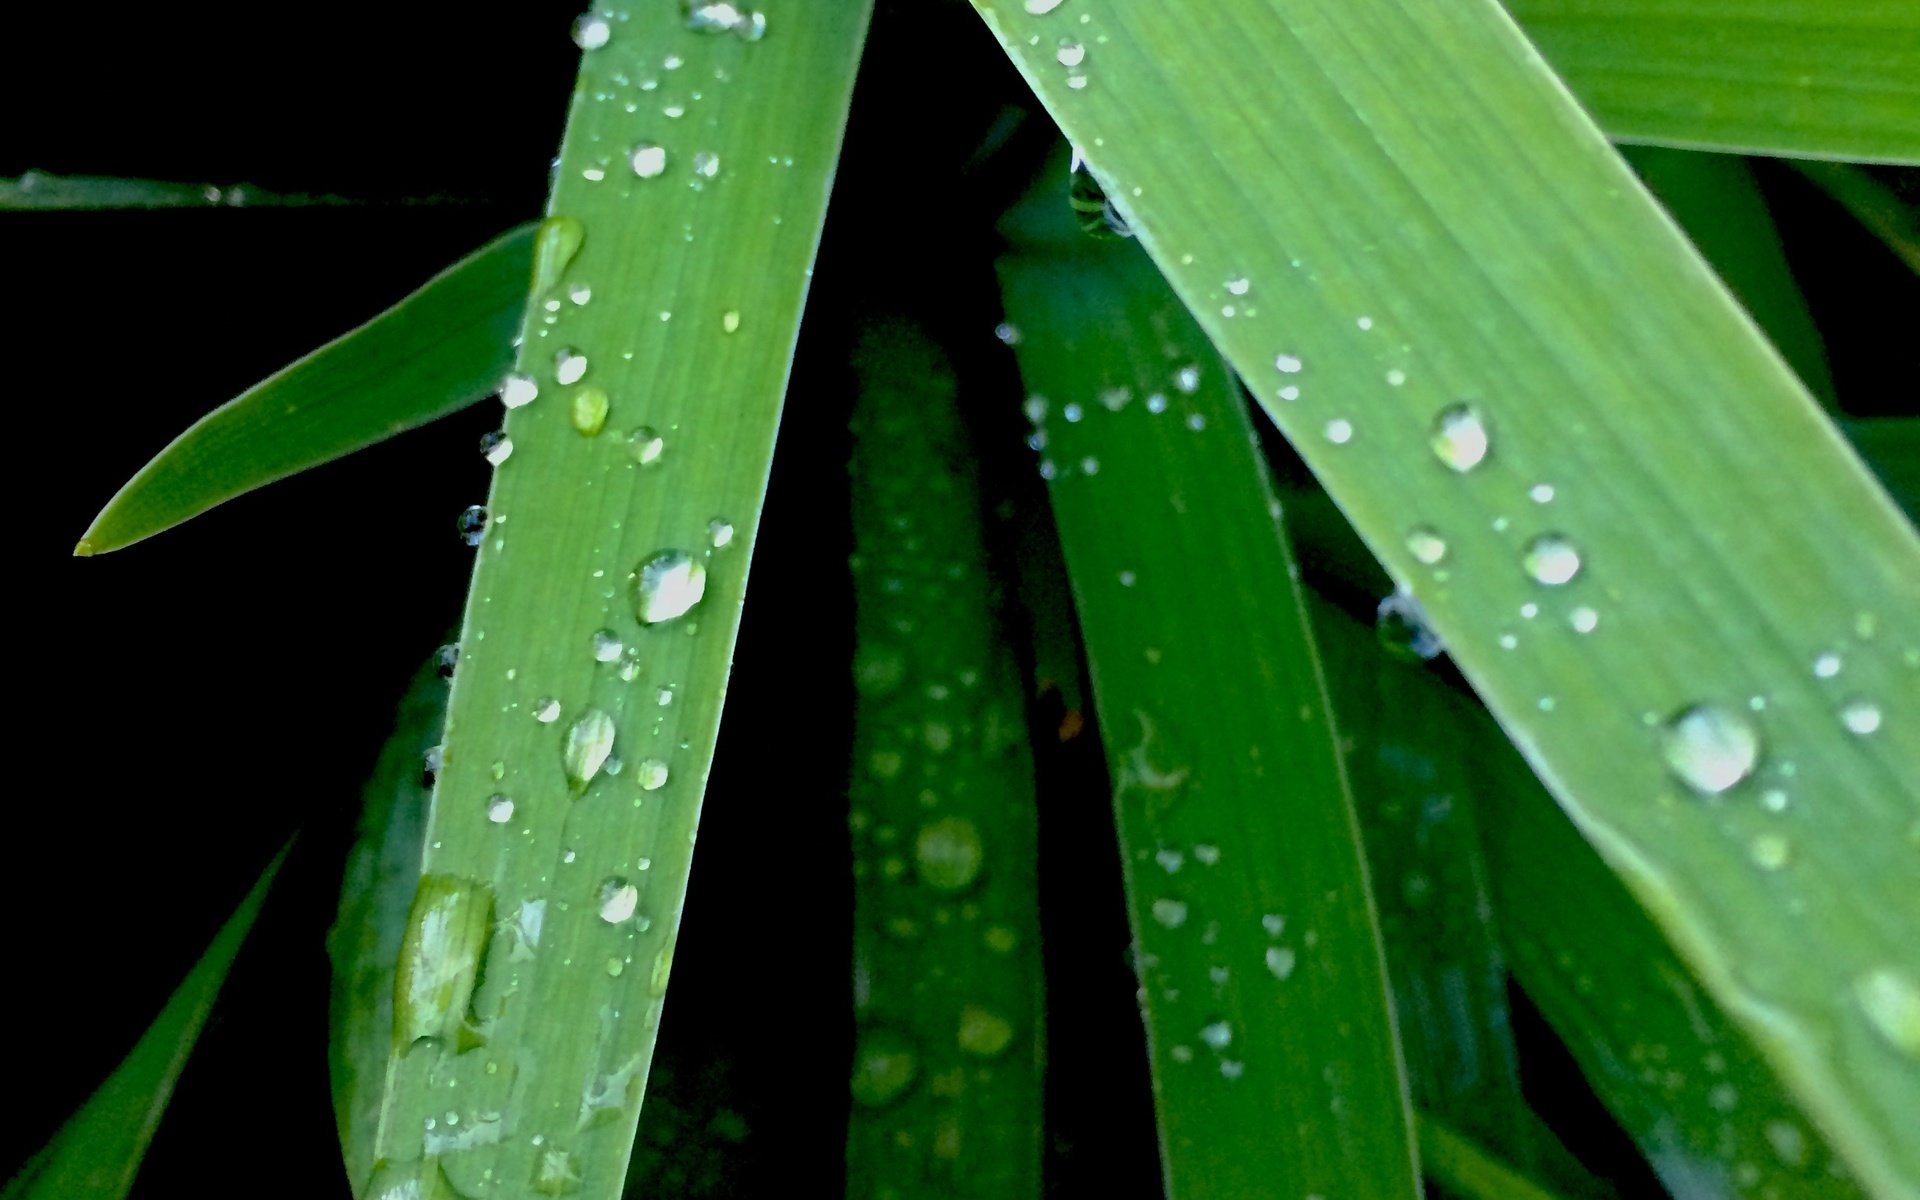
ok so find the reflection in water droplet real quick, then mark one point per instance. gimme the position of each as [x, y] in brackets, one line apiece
[1459, 437]
[1890, 1000]
[884, 1067]
[588, 742]
[948, 853]
[1860, 716]
[618, 900]
[667, 585]
[1426, 545]
[518, 390]
[1088, 199]
[1551, 559]
[589, 410]
[472, 525]
[1711, 748]
[1402, 626]
[646, 446]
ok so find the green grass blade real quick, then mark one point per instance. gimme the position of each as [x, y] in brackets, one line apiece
[1399, 261]
[97, 1153]
[376, 888]
[947, 976]
[1808, 78]
[1466, 1169]
[1686, 1084]
[1879, 208]
[1273, 1055]
[437, 351]
[605, 602]
[41, 191]
[1715, 200]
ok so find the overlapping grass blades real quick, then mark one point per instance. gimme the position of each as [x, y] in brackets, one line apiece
[1631, 525]
[437, 351]
[946, 1077]
[1797, 77]
[97, 1153]
[601, 621]
[1274, 1060]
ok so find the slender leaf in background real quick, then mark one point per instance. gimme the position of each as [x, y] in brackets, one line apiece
[44, 192]
[1885, 214]
[600, 626]
[97, 1153]
[1466, 1169]
[946, 1077]
[1891, 445]
[1807, 78]
[1274, 1063]
[1715, 200]
[376, 890]
[437, 351]
[1688, 1086]
[1546, 417]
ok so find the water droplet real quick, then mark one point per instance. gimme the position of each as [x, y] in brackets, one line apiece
[1770, 851]
[546, 710]
[1459, 437]
[446, 936]
[982, 1032]
[1281, 961]
[730, 321]
[1396, 377]
[1426, 545]
[1239, 285]
[648, 160]
[1551, 559]
[1400, 623]
[1070, 53]
[1541, 493]
[651, 773]
[1583, 619]
[569, 365]
[591, 31]
[706, 164]
[1860, 716]
[1287, 364]
[472, 525]
[1711, 748]
[1170, 913]
[589, 410]
[1826, 666]
[1890, 1000]
[948, 854]
[1095, 212]
[500, 809]
[618, 900]
[1008, 333]
[1787, 1142]
[588, 742]
[884, 1067]
[1041, 8]
[496, 447]
[555, 245]
[667, 585]
[606, 645]
[720, 533]
[445, 659]
[1186, 380]
[1232, 1068]
[1339, 431]
[518, 390]
[646, 446]
[580, 294]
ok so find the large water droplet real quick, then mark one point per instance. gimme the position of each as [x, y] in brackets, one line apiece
[1711, 748]
[496, 447]
[569, 366]
[472, 525]
[947, 854]
[1551, 559]
[446, 935]
[1459, 437]
[884, 1067]
[648, 160]
[518, 390]
[667, 585]
[606, 645]
[646, 446]
[588, 742]
[554, 247]
[1860, 716]
[618, 900]
[1070, 53]
[983, 1032]
[591, 31]
[588, 411]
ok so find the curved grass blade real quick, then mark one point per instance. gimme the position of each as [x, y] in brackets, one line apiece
[437, 351]
[1805, 78]
[947, 976]
[97, 1153]
[1467, 1170]
[605, 602]
[376, 887]
[1275, 1067]
[1687, 1085]
[1876, 206]
[1545, 416]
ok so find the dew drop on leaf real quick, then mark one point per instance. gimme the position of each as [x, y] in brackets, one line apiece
[588, 411]
[1860, 716]
[588, 743]
[884, 1067]
[1459, 437]
[472, 525]
[500, 809]
[646, 446]
[591, 31]
[518, 390]
[1711, 748]
[667, 585]
[948, 853]
[618, 900]
[496, 447]
[607, 645]
[983, 1032]
[569, 366]
[651, 773]
[648, 160]
[1551, 559]
[1426, 545]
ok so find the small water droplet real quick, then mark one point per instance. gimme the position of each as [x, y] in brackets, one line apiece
[588, 411]
[1583, 619]
[1890, 1000]
[588, 742]
[1826, 666]
[1170, 913]
[1551, 559]
[1339, 431]
[546, 710]
[1396, 377]
[1218, 1035]
[606, 646]
[884, 1067]
[1186, 380]
[445, 659]
[496, 447]
[1281, 961]
[645, 445]
[618, 900]
[948, 854]
[1041, 8]
[1287, 364]
[706, 164]
[730, 321]
[1239, 285]
[1770, 851]
[1541, 493]
[648, 160]
[1008, 333]
[1860, 716]
[1459, 437]
[667, 585]
[983, 1033]
[555, 246]
[651, 773]
[499, 809]
[1402, 626]
[580, 294]
[472, 525]
[1711, 748]
[591, 31]
[720, 533]
[518, 390]
[569, 365]
[1426, 545]
[1070, 53]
